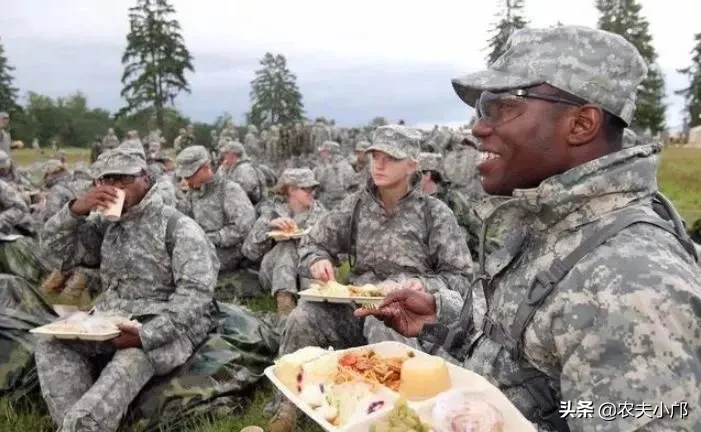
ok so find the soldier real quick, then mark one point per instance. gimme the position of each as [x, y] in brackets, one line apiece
[395, 236]
[592, 298]
[294, 206]
[238, 167]
[109, 141]
[10, 174]
[157, 266]
[335, 175]
[320, 133]
[213, 140]
[162, 180]
[229, 131]
[218, 204]
[5, 138]
[461, 166]
[180, 140]
[360, 164]
[37, 149]
[250, 143]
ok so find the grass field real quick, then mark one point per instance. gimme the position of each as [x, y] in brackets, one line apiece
[679, 178]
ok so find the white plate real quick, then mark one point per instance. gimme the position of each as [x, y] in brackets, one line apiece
[312, 294]
[280, 237]
[460, 378]
[96, 337]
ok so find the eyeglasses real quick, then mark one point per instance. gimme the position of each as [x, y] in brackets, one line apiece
[112, 179]
[498, 108]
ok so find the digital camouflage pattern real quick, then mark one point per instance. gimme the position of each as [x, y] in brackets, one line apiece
[417, 240]
[225, 213]
[320, 133]
[13, 207]
[336, 177]
[278, 269]
[622, 325]
[190, 160]
[400, 142]
[598, 66]
[630, 138]
[110, 141]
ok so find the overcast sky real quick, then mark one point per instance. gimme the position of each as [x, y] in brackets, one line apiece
[354, 60]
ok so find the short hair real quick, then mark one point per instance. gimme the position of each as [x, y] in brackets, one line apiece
[612, 125]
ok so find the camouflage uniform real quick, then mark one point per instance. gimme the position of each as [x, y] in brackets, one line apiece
[460, 165]
[336, 176]
[251, 144]
[168, 289]
[621, 325]
[62, 189]
[320, 133]
[418, 240]
[219, 206]
[278, 270]
[229, 132]
[244, 173]
[5, 138]
[110, 141]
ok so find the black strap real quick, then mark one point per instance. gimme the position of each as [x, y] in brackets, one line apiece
[170, 229]
[352, 233]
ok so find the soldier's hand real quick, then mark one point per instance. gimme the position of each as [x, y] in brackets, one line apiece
[283, 224]
[98, 197]
[414, 284]
[322, 271]
[405, 310]
[129, 338]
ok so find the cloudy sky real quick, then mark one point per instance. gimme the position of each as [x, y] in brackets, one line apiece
[354, 60]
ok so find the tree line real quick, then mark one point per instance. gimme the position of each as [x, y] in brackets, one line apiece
[157, 62]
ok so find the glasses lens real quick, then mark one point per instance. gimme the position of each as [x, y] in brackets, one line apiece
[499, 108]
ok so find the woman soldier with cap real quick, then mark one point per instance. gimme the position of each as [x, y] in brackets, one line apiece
[293, 206]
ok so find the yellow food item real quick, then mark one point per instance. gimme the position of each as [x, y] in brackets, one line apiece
[423, 377]
[401, 419]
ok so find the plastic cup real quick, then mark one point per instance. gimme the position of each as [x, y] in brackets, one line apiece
[114, 212]
[252, 429]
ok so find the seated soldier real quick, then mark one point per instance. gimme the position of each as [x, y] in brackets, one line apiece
[157, 266]
[396, 236]
[293, 207]
[217, 204]
[236, 166]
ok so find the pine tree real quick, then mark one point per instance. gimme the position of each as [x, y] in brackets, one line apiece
[510, 19]
[692, 94]
[8, 93]
[624, 17]
[155, 59]
[275, 96]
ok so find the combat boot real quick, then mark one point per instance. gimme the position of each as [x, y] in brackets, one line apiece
[75, 291]
[53, 283]
[285, 419]
[285, 303]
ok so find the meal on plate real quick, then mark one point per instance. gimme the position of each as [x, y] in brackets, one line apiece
[462, 411]
[401, 419]
[82, 323]
[335, 289]
[368, 366]
[289, 231]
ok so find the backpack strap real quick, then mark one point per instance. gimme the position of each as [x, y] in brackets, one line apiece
[170, 229]
[353, 232]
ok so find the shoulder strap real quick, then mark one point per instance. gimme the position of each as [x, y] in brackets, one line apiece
[666, 210]
[352, 232]
[170, 229]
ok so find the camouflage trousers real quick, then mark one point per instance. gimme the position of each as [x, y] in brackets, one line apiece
[278, 269]
[89, 386]
[19, 258]
[230, 259]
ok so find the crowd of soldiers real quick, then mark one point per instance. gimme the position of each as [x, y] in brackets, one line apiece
[533, 248]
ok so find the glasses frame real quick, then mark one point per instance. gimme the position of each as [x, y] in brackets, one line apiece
[524, 94]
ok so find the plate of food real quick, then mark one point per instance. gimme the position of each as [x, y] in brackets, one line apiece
[391, 387]
[334, 292]
[292, 232]
[84, 326]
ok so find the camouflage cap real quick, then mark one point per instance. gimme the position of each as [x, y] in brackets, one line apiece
[4, 115]
[5, 160]
[234, 147]
[431, 162]
[331, 147]
[361, 146]
[595, 65]
[298, 177]
[400, 142]
[120, 161]
[630, 138]
[82, 170]
[52, 166]
[190, 160]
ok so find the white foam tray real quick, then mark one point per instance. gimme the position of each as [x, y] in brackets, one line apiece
[460, 378]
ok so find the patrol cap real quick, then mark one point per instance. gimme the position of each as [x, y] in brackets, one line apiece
[432, 162]
[331, 147]
[5, 160]
[361, 146]
[400, 142]
[597, 66]
[298, 177]
[120, 161]
[190, 160]
[234, 147]
[52, 166]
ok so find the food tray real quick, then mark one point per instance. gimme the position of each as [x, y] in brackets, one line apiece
[312, 294]
[460, 378]
[104, 332]
[279, 235]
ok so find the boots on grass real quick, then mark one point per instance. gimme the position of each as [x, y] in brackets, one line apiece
[75, 292]
[285, 419]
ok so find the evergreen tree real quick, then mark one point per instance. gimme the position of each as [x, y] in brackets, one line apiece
[624, 17]
[155, 59]
[8, 93]
[510, 19]
[692, 94]
[275, 96]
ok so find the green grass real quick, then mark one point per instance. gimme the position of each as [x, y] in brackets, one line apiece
[679, 178]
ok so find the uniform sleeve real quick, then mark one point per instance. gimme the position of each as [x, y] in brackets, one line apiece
[14, 207]
[247, 177]
[184, 205]
[195, 268]
[327, 238]
[257, 242]
[75, 240]
[450, 256]
[626, 329]
[239, 215]
[348, 175]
